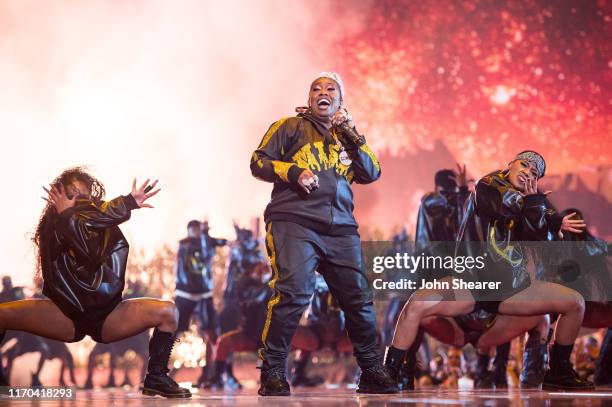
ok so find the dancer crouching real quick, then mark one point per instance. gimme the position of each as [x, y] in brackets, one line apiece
[505, 210]
[82, 255]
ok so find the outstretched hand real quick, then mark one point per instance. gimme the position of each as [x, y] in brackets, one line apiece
[58, 199]
[572, 225]
[141, 194]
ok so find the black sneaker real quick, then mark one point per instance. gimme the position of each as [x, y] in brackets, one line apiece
[565, 378]
[273, 383]
[377, 380]
[162, 385]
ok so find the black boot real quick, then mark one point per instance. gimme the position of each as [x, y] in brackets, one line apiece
[603, 369]
[409, 371]
[376, 380]
[216, 381]
[402, 366]
[394, 361]
[273, 381]
[561, 375]
[500, 365]
[157, 381]
[535, 358]
[484, 378]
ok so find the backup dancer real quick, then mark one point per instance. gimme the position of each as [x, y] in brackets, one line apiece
[194, 286]
[82, 256]
[505, 210]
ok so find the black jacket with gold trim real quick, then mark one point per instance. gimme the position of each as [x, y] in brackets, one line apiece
[498, 217]
[293, 144]
[83, 262]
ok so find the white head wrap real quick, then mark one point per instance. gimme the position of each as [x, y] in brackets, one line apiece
[334, 77]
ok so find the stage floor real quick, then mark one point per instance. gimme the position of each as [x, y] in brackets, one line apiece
[336, 397]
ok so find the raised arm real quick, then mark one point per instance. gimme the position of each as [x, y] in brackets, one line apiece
[84, 225]
[365, 164]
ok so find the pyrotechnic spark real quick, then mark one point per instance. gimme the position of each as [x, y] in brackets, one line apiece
[537, 72]
[502, 95]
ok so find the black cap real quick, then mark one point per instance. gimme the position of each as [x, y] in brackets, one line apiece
[445, 179]
[194, 224]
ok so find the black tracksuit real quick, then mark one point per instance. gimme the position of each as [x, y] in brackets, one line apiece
[314, 232]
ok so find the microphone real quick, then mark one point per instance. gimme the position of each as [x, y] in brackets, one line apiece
[349, 135]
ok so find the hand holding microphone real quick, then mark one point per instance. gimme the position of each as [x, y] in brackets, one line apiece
[342, 116]
[343, 124]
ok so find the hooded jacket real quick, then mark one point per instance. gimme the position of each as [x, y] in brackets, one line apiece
[84, 260]
[296, 143]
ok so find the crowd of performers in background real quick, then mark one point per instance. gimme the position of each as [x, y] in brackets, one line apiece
[438, 356]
